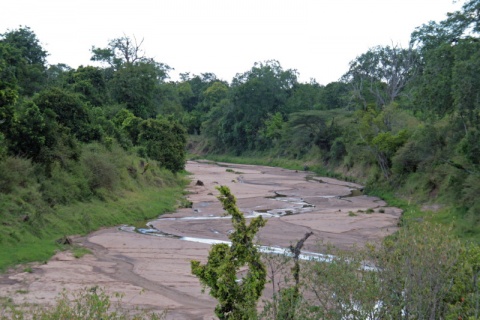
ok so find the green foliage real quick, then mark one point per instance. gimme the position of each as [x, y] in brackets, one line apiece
[28, 61]
[273, 126]
[76, 197]
[68, 109]
[306, 96]
[135, 86]
[102, 171]
[382, 73]
[237, 299]
[164, 141]
[470, 147]
[421, 272]
[90, 82]
[334, 96]
[254, 95]
[419, 152]
[8, 83]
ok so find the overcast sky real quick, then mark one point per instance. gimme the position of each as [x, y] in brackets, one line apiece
[317, 37]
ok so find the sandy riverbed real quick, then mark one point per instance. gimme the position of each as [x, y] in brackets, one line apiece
[154, 272]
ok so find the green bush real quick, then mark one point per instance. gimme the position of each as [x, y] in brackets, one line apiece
[16, 173]
[164, 141]
[421, 272]
[101, 172]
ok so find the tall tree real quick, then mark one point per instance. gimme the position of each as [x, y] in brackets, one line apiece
[255, 94]
[384, 72]
[136, 86]
[120, 51]
[68, 108]
[8, 86]
[30, 62]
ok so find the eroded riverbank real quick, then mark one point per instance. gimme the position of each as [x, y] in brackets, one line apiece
[293, 202]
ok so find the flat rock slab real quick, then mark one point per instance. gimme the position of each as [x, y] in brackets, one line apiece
[154, 272]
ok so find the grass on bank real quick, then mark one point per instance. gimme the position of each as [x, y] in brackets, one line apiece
[105, 188]
[82, 218]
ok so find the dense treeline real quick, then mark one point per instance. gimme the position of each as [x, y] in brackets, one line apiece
[404, 119]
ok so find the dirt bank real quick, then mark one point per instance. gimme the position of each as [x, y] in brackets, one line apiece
[154, 272]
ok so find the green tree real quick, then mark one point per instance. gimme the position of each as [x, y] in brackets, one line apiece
[8, 86]
[237, 299]
[334, 95]
[57, 74]
[38, 136]
[136, 86]
[126, 121]
[30, 63]
[433, 94]
[90, 82]
[212, 97]
[384, 72]
[68, 108]
[255, 94]
[120, 51]
[305, 96]
[164, 141]
[274, 127]
[312, 128]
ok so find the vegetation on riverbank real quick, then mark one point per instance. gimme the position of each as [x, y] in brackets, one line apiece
[410, 204]
[423, 271]
[403, 121]
[32, 229]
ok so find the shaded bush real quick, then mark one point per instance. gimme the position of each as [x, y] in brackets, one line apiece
[101, 173]
[16, 173]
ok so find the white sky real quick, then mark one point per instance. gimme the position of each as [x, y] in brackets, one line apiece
[317, 37]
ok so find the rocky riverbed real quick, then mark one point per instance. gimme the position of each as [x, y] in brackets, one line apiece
[151, 264]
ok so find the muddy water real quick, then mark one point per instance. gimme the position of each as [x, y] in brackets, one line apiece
[150, 264]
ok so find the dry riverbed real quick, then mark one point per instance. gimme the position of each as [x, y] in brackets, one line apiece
[153, 270]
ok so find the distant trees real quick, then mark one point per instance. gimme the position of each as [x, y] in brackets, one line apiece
[120, 51]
